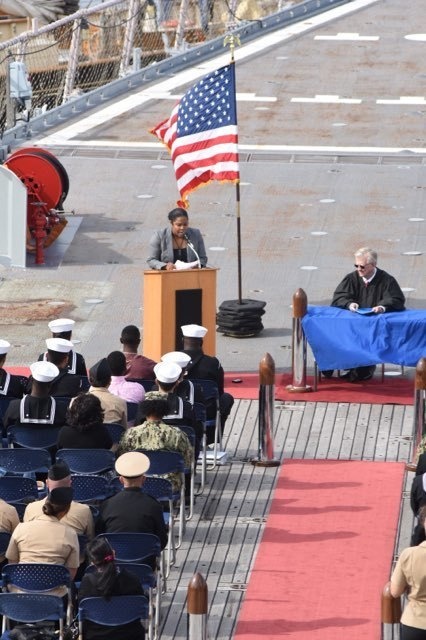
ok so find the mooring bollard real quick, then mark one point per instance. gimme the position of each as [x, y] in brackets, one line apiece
[391, 611]
[419, 426]
[266, 414]
[197, 602]
[298, 350]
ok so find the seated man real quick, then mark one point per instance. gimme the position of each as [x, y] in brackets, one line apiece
[203, 367]
[154, 434]
[62, 328]
[66, 384]
[131, 510]
[367, 287]
[185, 388]
[38, 408]
[10, 385]
[9, 520]
[138, 366]
[115, 408]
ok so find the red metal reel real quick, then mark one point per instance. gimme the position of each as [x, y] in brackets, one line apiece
[44, 179]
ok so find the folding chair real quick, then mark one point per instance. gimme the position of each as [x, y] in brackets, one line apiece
[115, 431]
[18, 489]
[190, 434]
[38, 577]
[114, 612]
[162, 463]
[200, 415]
[136, 548]
[148, 581]
[87, 461]
[161, 489]
[132, 409]
[211, 394]
[4, 542]
[31, 607]
[24, 462]
[85, 383]
[90, 488]
[33, 436]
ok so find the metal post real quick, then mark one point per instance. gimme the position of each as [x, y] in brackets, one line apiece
[129, 35]
[73, 61]
[197, 602]
[419, 426]
[391, 608]
[180, 30]
[10, 105]
[298, 365]
[266, 414]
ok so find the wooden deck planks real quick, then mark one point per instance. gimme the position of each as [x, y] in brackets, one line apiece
[222, 538]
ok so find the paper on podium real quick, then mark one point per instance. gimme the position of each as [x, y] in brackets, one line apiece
[365, 311]
[181, 266]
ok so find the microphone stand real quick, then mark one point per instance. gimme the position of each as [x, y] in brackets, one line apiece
[191, 246]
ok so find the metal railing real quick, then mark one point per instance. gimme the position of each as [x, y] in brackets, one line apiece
[122, 44]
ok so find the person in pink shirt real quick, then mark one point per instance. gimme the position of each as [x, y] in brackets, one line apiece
[129, 391]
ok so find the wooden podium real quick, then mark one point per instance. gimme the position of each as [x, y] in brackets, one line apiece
[175, 298]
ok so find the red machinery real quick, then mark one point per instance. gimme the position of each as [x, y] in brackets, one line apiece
[47, 184]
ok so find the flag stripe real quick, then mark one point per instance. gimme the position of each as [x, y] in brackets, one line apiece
[201, 132]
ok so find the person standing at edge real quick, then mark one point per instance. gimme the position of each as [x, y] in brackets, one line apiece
[179, 241]
[367, 287]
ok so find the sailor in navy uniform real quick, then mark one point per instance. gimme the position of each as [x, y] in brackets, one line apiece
[10, 385]
[38, 408]
[204, 367]
[180, 411]
[185, 388]
[62, 328]
[66, 384]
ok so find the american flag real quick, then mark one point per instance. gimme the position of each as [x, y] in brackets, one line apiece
[202, 134]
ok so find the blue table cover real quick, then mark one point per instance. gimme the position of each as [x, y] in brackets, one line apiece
[341, 339]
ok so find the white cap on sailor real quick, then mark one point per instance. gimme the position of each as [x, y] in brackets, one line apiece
[44, 371]
[4, 347]
[61, 324]
[59, 344]
[178, 357]
[194, 331]
[167, 371]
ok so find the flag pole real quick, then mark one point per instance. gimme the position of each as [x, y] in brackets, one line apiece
[232, 40]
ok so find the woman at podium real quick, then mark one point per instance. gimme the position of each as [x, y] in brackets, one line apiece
[178, 246]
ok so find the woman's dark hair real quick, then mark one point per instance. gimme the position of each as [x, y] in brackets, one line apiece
[156, 407]
[101, 555]
[50, 509]
[177, 213]
[85, 412]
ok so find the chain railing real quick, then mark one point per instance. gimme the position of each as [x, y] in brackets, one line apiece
[99, 44]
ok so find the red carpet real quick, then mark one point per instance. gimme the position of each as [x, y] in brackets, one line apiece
[397, 390]
[326, 552]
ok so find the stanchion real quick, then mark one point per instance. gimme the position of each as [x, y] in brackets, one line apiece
[197, 602]
[419, 426]
[391, 610]
[298, 353]
[266, 414]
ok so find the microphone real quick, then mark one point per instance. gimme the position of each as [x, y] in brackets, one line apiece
[191, 246]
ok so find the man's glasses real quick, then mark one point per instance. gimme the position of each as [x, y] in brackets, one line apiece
[360, 266]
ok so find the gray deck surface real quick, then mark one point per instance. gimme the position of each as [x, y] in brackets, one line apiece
[319, 179]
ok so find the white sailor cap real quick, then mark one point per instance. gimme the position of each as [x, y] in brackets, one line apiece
[4, 347]
[167, 371]
[178, 357]
[59, 344]
[61, 324]
[44, 371]
[193, 331]
[132, 464]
